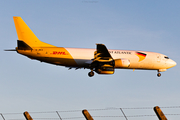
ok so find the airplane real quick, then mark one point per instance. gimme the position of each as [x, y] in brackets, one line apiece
[101, 60]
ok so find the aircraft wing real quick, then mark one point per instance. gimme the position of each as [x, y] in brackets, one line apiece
[103, 61]
[102, 53]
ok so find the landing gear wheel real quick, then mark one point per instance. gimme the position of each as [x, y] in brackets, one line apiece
[91, 74]
[159, 74]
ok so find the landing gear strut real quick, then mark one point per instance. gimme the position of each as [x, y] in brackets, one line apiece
[159, 74]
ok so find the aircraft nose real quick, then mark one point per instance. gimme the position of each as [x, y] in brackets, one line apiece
[171, 63]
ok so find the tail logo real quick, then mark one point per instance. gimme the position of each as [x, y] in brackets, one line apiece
[141, 56]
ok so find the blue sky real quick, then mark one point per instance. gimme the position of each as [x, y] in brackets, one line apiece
[131, 25]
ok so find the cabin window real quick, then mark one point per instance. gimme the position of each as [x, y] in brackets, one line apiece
[166, 57]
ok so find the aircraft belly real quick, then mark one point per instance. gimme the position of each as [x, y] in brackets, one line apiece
[62, 61]
[83, 62]
[57, 61]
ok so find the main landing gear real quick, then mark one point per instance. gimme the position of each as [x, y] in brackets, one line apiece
[159, 74]
[90, 74]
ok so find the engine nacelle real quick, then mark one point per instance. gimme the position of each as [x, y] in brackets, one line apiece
[121, 63]
[105, 69]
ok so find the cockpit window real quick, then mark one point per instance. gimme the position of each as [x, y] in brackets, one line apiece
[166, 57]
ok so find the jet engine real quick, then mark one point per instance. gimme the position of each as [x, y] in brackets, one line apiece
[105, 69]
[121, 63]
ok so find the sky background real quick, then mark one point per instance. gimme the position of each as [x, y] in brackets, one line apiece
[149, 25]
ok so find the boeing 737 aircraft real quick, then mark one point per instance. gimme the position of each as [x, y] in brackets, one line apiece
[101, 60]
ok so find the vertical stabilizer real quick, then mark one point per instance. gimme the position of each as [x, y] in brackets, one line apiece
[26, 35]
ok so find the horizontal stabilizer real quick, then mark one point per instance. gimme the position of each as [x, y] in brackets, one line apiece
[23, 46]
[10, 50]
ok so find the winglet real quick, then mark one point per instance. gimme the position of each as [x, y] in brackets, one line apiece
[25, 34]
